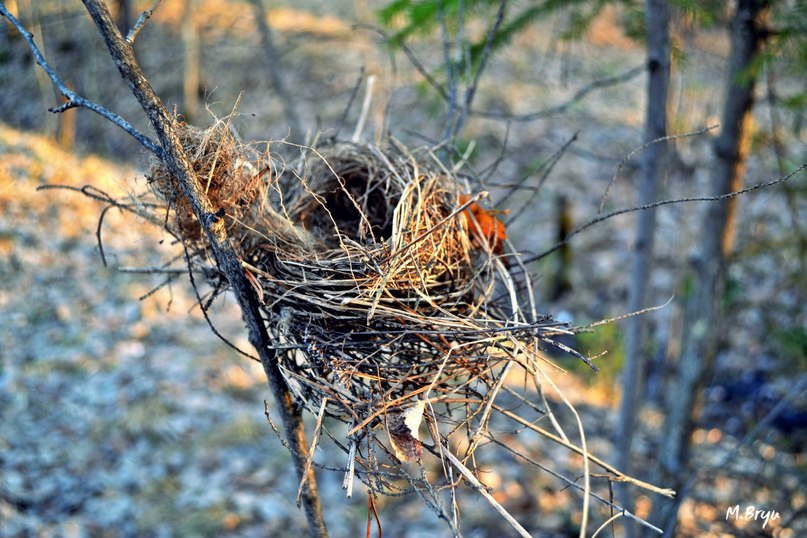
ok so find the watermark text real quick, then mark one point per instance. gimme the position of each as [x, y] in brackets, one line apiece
[751, 512]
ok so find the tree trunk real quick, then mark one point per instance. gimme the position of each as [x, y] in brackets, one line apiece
[702, 315]
[177, 162]
[657, 17]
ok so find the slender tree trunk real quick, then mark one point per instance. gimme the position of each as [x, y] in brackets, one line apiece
[176, 160]
[561, 281]
[192, 69]
[702, 315]
[272, 59]
[657, 17]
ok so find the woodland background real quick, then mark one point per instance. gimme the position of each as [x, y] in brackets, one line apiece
[122, 414]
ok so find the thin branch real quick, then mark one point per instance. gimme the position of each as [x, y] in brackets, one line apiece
[141, 21]
[547, 167]
[470, 92]
[151, 270]
[210, 218]
[271, 58]
[618, 476]
[480, 488]
[205, 306]
[563, 107]
[640, 149]
[573, 484]
[618, 212]
[74, 100]
[582, 328]
[412, 59]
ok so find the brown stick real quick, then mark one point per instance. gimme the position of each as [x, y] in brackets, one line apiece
[212, 223]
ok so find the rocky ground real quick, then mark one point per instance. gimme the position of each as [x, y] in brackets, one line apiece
[122, 414]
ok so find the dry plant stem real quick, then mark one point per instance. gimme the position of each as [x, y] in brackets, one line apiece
[572, 484]
[618, 476]
[480, 488]
[365, 109]
[314, 438]
[177, 162]
[582, 450]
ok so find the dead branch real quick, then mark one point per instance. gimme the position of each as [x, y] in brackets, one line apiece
[616, 213]
[171, 152]
[563, 107]
[73, 99]
[177, 162]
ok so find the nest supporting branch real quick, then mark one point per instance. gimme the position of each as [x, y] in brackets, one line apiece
[173, 155]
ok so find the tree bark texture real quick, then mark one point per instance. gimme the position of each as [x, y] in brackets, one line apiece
[702, 315]
[657, 18]
[177, 162]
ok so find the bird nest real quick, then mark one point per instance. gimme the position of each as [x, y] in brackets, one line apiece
[387, 286]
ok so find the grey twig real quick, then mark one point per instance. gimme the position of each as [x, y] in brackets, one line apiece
[563, 107]
[73, 99]
[618, 212]
[470, 91]
[271, 58]
[141, 21]
[548, 166]
[640, 149]
[413, 59]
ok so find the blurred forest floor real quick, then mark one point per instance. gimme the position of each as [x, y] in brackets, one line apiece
[122, 414]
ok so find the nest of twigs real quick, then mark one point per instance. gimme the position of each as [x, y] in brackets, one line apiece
[383, 280]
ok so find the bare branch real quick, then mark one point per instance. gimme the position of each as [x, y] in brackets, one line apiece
[641, 148]
[563, 107]
[412, 59]
[547, 166]
[618, 212]
[141, 21]
[271, 58]
[177, 162]
[583, 328]
[73, 99]
[470, 92]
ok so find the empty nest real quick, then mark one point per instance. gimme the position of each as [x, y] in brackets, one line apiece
[384, 282]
